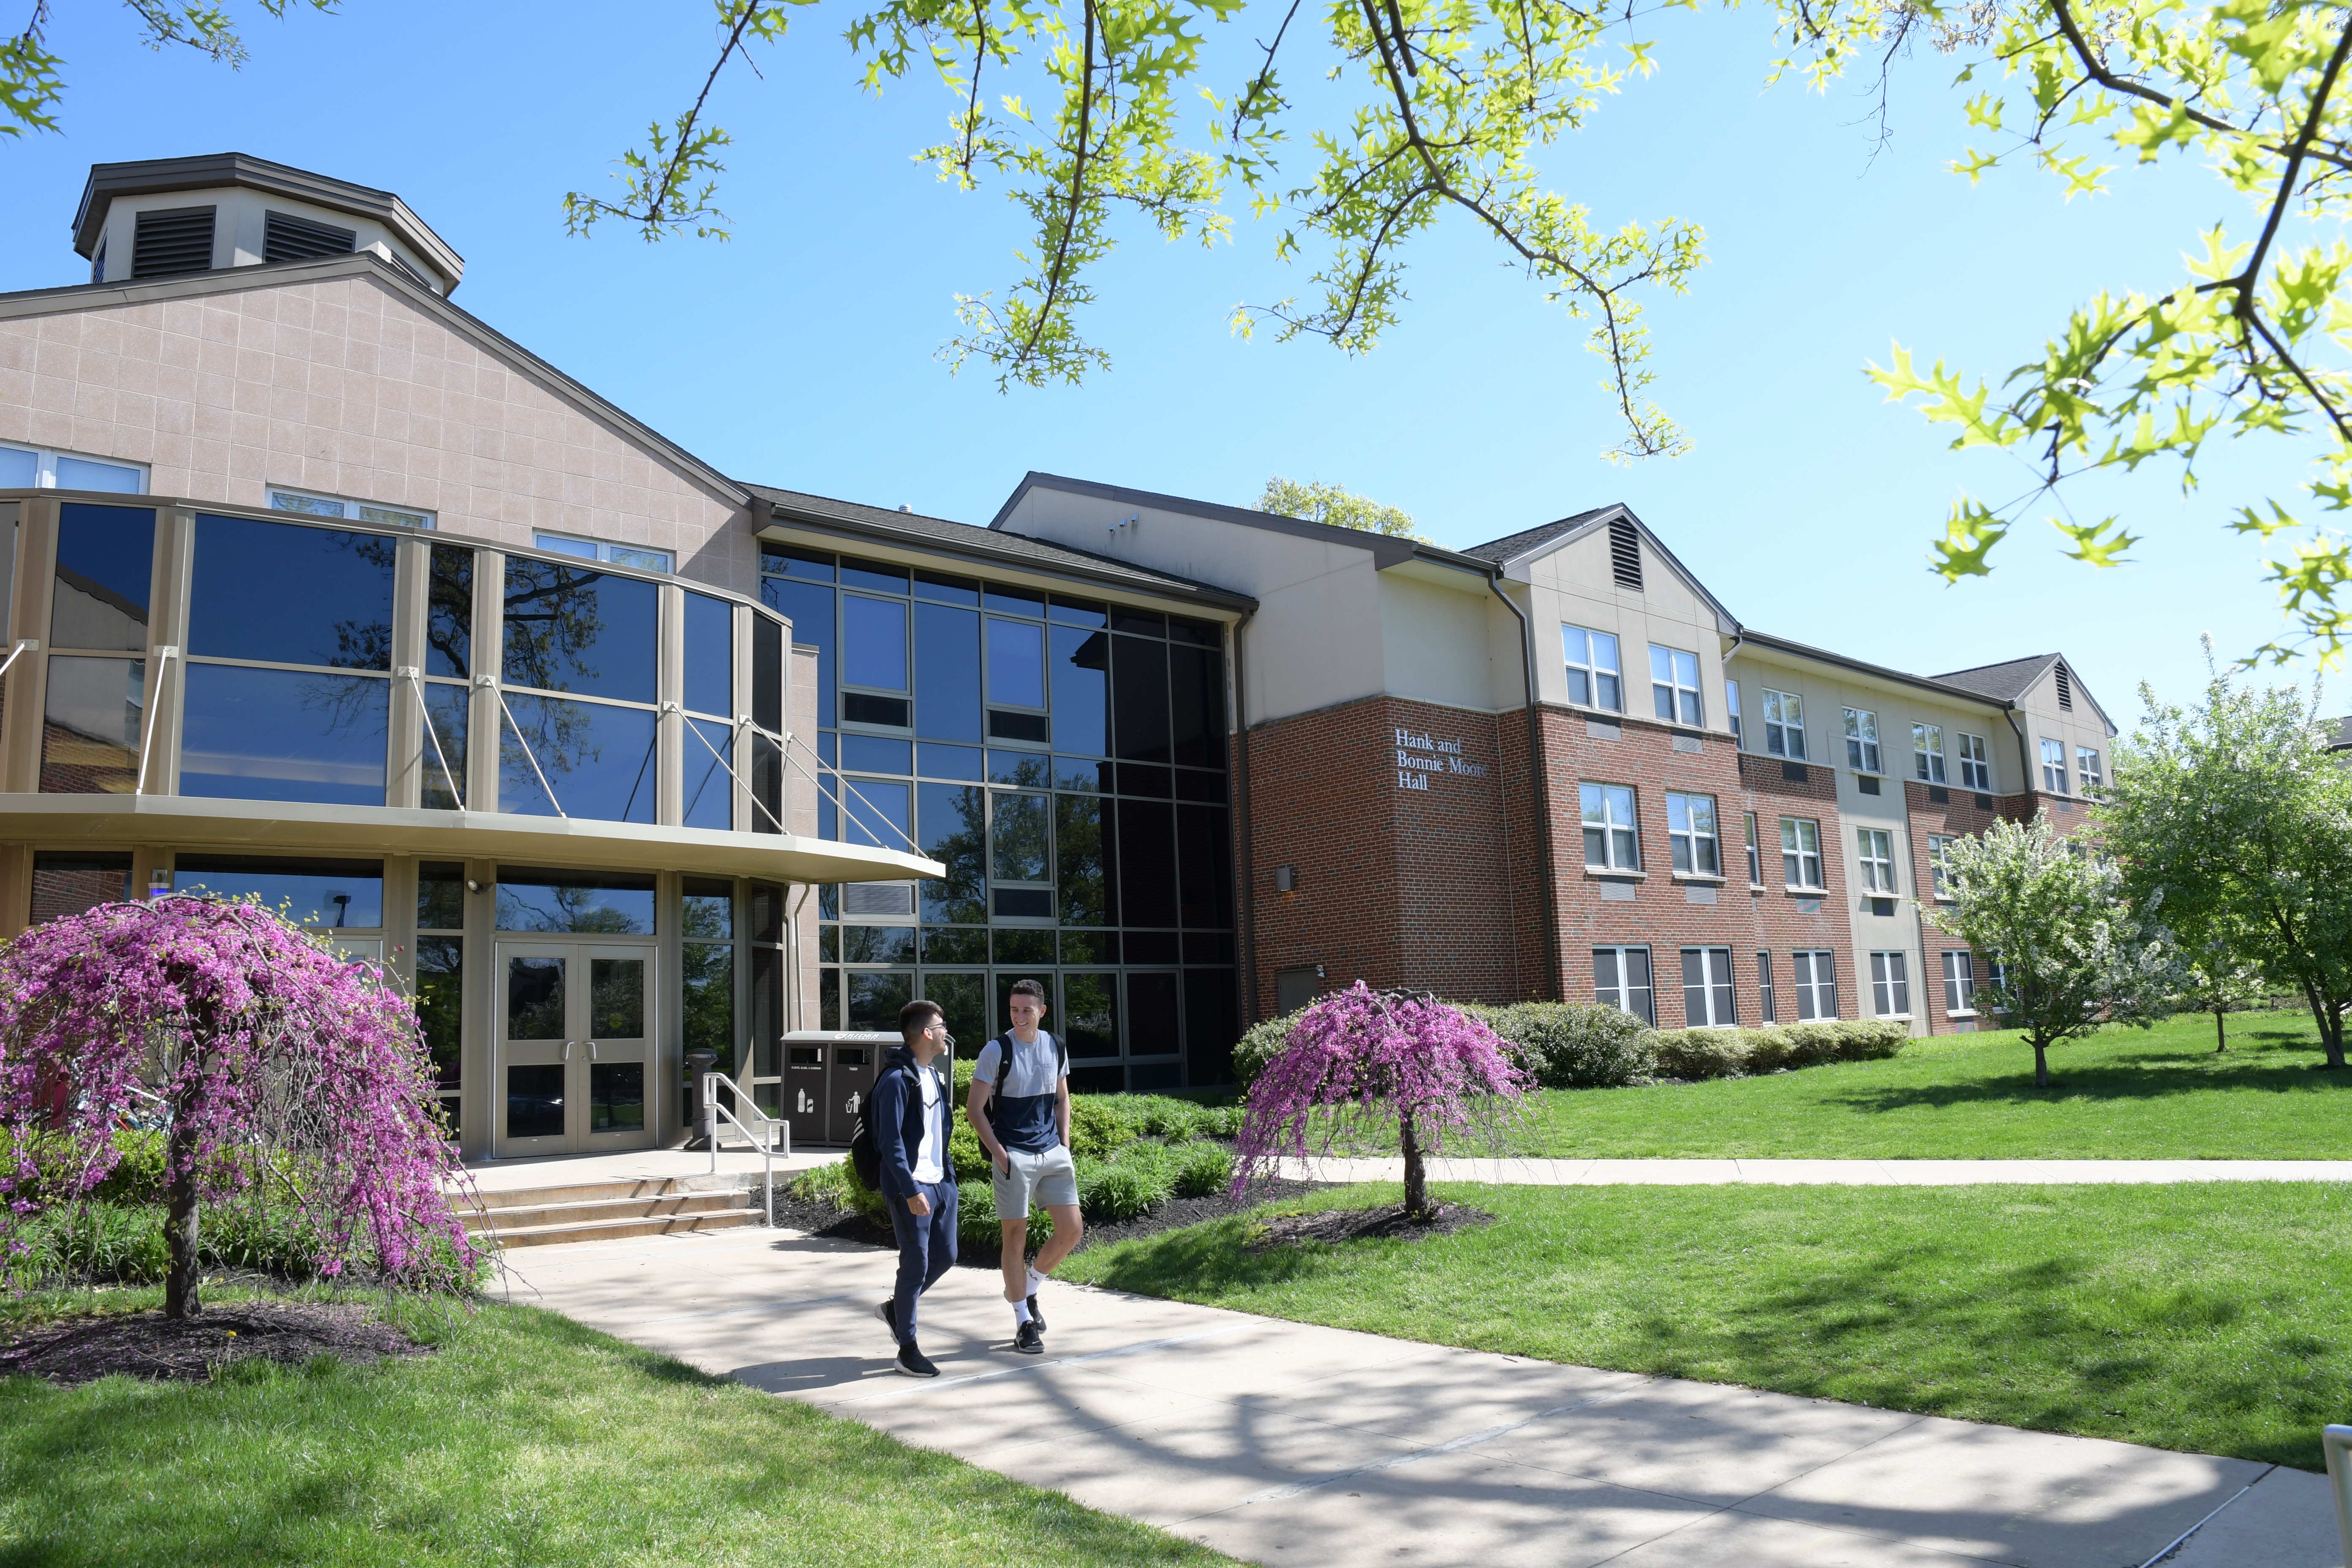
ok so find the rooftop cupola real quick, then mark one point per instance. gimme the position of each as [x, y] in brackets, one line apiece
[160, 217]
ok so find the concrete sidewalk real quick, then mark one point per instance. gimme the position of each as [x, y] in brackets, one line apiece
[1289, 1444]
[1824, 1172]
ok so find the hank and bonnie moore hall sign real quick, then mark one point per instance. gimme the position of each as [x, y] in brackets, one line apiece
[1418, 758]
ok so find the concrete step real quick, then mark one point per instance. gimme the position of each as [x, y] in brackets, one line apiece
[560, 1205]
[623, 1229]
[596, 1191]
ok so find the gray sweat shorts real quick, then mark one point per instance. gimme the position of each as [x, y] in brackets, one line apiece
[1050, 1179]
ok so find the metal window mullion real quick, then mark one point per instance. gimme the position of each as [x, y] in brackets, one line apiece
[485, 717]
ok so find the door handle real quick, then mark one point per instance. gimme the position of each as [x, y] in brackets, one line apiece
[567, 1050]
[591, 1049]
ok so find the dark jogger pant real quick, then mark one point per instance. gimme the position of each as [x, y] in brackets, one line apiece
[927, 1249]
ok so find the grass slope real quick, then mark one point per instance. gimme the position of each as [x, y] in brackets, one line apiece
[528, 1439]
[2122, 1094]
[2202, 1318]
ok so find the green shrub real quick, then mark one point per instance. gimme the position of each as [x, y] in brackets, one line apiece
[1097, 1127]
[1696, 1054]
[1692, 1053]
[1121, 1189]
[1573, 1045]
[1221, 1120]
[1260, 1046]
[1201, 1170]
[123, 1243]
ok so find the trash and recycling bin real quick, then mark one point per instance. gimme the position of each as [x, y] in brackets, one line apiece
[828, 1073]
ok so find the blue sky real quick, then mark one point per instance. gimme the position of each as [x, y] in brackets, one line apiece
[803, 354]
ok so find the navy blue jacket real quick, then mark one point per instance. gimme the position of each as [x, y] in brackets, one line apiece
[898, 1107]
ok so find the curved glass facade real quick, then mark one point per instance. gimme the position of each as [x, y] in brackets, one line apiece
[1065, 759]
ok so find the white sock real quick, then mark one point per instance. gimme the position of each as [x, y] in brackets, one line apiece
[1035, 1279]
[1020, 1313]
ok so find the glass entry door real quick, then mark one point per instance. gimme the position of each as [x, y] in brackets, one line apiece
[575, 1047]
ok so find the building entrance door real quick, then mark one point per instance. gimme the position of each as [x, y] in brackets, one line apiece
[575, 1070]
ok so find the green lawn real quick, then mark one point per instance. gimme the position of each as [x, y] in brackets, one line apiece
[2211, 1318]
[528, 1439]
[2123, 1094]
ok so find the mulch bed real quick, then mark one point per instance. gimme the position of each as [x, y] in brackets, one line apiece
[1388, 1223]
[819, 1217]
[148, 1344]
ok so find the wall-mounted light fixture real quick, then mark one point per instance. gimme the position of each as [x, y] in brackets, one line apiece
[1285, 879]
[472, 886]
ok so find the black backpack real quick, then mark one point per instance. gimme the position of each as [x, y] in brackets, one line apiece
[865, 1153]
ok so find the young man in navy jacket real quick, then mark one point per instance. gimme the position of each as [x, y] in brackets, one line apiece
[910, 1121]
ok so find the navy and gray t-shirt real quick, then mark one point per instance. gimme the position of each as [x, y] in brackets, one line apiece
[1021, 1109]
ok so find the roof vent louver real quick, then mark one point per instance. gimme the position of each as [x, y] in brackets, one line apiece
[1625, 554]
[173, 240]
[2066, 687]
[288, 238]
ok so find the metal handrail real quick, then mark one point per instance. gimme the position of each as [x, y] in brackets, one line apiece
[2337, 1442]
[767, 1149]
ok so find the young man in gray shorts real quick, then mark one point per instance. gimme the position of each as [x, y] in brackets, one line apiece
[1021, 1109]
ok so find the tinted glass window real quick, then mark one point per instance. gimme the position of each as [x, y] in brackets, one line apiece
[947, 673]
[282, 593]
[877, 754]
[873, 643]
[946, 590]
[954, 822]
[441, 748]
[810, 609]
[802, 563]
[706, 1000]
[1016, 663]
[709, 655]
[1027, 769]
[948, 761]
[1201, 634]
[1140, 699]
[105, 556]
[1015, 602]
[1022, 842]
[441, 1009]
[440, 896]
[1080, 612]
[571, 629]
[1196, 694]
[1080, 860]
[875, 813]
[1150, 1014]
[1147, 863]
[89, 742]
[1149, 623]
[1204, 865]
[880, 575]
[612, 903]
[283, 734]
[341, 894]
[597, 759]
[768, 675]
[450, 612]
[709, 907]
[1081, 690]
[709, 800]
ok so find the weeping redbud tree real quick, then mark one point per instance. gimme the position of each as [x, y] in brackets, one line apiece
[275, 1063]
[1363, 1066]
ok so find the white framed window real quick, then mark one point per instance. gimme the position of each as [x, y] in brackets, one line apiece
[1620, 979]
[1594, 679]
[1976, 771]
[1673, 685]
[1784, 724]
[1875, 846]
[2086, 769]
[1890, 984]
[2053, 765]
[312, 504]
[1690, 833]
[1766, 1011]
[1960, 980]
[1706, 988]
[1612, 840]
[1938, 846]
[1927, 752]
[1731, 701]
[47, 469]
[603, 550]
[1755, 858]
[1862, 740]
[1816, 984]
[1801, 853]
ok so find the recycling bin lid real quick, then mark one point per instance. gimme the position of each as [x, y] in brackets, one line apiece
[841, 1038]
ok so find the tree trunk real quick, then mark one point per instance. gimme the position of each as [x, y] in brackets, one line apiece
[181, 1279]
[2041, 1065]
[1416, 1175]
[2220, 1032]
[2331, 1036]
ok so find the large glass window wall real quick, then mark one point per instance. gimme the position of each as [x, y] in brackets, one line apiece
[1065, 759]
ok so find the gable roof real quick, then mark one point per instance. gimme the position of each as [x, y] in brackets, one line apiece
[2005, 680]
[367, 264]
[1530, 540]
[1511, 551]
[991, 546]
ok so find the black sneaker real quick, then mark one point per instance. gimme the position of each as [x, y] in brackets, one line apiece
[915, 1363]
[888, 1311]
[1028, 1341]
[1035, 1316]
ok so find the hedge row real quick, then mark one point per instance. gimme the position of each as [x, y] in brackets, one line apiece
[1583, 1044]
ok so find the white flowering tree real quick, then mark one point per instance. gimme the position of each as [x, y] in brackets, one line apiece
[2220, 983]
[2068, 950]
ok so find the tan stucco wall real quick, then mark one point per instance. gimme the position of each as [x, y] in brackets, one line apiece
[1577, 585]
[346, 386]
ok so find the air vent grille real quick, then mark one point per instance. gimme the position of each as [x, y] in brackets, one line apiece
[179, 239]
[288, 238]
[878, 898]
[2065, 689]
[1625, 554]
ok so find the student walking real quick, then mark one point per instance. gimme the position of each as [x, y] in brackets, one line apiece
[1020, 1105]
[909, 1114]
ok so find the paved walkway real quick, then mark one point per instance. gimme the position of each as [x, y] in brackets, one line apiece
[1285, 1443]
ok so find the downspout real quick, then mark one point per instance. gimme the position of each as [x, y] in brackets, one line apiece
[2024, 747]
[1542, 787]
[1242, 812]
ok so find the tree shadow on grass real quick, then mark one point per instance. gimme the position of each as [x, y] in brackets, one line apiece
[2158, 1076]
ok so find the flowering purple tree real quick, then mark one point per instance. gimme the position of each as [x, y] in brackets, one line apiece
[1362, 1066]
[275, 1062]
